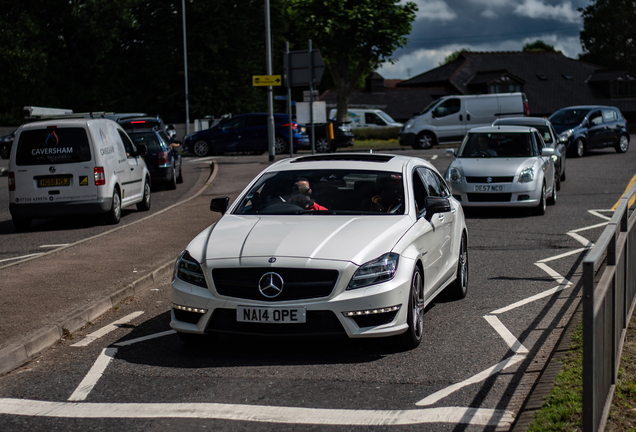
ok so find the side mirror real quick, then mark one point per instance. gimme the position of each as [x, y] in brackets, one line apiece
[547, 151]
[220, 204]
[450, 152]
[436, 205]
[141, 150]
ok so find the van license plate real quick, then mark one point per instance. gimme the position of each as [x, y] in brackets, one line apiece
[271, 315]
[54, 181]
[489, 188]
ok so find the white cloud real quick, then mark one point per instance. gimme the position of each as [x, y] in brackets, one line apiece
[434, 10]
[539, 9]
[490, 14]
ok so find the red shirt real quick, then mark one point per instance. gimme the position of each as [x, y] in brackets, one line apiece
[316, 206]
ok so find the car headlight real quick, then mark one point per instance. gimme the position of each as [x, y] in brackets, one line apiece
[526, 175]
[189, 270]
[379, 270]
[454, 174]
[566, 134]
[409, 124]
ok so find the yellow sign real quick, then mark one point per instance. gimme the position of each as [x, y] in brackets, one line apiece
[266, 80]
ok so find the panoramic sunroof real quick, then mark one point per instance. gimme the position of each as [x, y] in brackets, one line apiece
[362, 157]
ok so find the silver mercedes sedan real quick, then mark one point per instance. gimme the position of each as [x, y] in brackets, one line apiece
[337, 244]
[503, 166]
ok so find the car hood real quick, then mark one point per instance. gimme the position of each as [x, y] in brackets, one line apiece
[493, 166]
[344, 238]
[563, 128]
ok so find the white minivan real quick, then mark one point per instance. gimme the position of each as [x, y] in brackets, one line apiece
[449, 118]
[367, 118]
[75, 166]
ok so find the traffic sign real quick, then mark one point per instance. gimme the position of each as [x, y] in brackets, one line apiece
[299, 65]
[266, 80]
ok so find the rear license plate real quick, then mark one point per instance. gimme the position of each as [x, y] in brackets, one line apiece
[54, 181]
[489, 188]
[271, 315]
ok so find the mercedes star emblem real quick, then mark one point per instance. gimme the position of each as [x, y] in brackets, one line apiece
[270, 285]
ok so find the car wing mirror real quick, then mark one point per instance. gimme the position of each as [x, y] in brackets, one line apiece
[547, 151]
[436, 205]
[220, 204]
[450, 152]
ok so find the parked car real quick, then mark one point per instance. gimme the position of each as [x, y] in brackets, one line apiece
[245, 133]
[5, 145]
[75, 166]
[550, 137]
[162, 158]
[131, 123]
[388, 239]
[503, 166]
[591, 126]
[450, 117]
[367, 118]
[343, 137]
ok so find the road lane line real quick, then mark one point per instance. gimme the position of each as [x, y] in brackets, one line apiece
[259, 413]
[529, 300]
[22, 257]
[556, 257]
[631, 201]
[597, 214]
[506, 335]
[145, 338]
[93, 375]
[556, 276]
[107, 329]
[585, 242]
[589, 227]
[54, 246]
[482, 376]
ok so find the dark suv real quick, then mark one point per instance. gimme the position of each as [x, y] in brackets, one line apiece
[591, 126]
[245, 133]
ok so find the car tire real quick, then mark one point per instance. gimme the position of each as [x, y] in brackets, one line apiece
[144, 205]
[201, 148]
[323, 145]
[172, 183]
[557, 178]
[424, 141]
[579, 147]
[412, 337]
[539, 210]
[553, 198]
[180, 176]
[457, 290]
[21, 223]
[623, 144]
[280, 145]
[114, 214]
[562, 177]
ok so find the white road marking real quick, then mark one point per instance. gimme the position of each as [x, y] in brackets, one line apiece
[506, 335]
[596, 213]
[21, 257]
[563, 255]
[585, 242]
[431, 399]
[93, 375]
[556, 276]
[259, 413]
[107, 329]
[602, 224]
[145, 338]
[54, 246]
[529, 300]
[434, 157]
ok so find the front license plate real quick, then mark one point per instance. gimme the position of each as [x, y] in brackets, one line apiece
[271, 315]
[489, 188]
[54, 181]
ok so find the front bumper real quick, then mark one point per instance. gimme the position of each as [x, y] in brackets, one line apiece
[512, 194]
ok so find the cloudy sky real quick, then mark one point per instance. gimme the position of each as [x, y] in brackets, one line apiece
[444, 26]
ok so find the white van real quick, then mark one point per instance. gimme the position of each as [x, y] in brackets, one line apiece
[449, 118]
[364, 118]
[75, 166]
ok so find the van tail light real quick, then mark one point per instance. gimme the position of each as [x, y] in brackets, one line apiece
[100, 177]
[11, 181]
[294, 125]
[163, 158]
[527, 110]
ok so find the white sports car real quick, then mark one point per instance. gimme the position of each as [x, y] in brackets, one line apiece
[336, 244]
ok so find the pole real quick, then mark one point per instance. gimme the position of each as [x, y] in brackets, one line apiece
[185, 67]
[270, 90]
[289, 106]
[311, 99]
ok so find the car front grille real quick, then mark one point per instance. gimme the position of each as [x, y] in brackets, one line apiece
[298, 284]
[489, 197]
[319, 323]
[506, 179]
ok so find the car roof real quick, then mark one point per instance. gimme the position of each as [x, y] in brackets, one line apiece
[76, 122]
[502, 129]
[521, 121]
[587, 107]
[354, 161]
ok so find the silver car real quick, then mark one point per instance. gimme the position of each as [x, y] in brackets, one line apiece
[503, 166]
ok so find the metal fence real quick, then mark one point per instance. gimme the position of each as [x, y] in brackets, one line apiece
[609, 289]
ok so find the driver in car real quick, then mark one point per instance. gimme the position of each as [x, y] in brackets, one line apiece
[484, 148]
[301, 195]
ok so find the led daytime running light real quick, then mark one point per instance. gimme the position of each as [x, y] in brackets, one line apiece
[372, 311]
[188, 309]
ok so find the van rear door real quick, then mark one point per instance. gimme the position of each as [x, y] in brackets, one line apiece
[53, 164]
[480, 111]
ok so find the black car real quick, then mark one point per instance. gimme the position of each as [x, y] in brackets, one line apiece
[588, 127]
[342, 136]
[134, 123]
[549, 135]
[162, 158]
[5, 145]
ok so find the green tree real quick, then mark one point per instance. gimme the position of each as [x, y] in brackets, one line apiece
[354, 36]
[538, 45]
[608, 37]
[454, 56]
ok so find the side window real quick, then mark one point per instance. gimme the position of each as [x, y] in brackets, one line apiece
[419, 192]
[235, 123]
[539, 140]
[608, 115]
[435, 186]
[128, 145]
[444, 191]
[595, 118]
[165, 139]
[260, 120]
[448, 107]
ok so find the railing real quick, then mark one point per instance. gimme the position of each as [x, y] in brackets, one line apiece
[609, 290]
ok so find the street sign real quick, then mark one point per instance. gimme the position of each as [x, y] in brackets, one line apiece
[307, 95]
[266, 80]
[280, 97]
[298, 69]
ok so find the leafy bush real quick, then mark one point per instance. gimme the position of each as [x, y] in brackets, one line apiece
[379, 133]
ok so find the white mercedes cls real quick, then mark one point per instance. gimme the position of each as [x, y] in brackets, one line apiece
[335, 244]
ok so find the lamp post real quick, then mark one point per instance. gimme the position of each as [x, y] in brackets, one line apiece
[185, 67]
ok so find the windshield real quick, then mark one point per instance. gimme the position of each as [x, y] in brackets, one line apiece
[569, 117]
[429, 107]
[502, 145]
[149, 139]
[327, 192]
[53, 145]
[386, 117]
